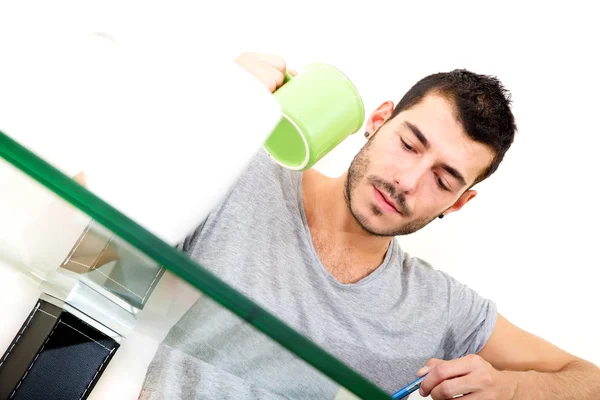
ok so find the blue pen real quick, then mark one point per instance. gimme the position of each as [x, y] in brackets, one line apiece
[408, 389]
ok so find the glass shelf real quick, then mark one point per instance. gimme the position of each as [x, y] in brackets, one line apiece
[63, 244]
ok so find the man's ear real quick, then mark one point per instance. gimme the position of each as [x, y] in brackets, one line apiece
[462, 200]
[379, 116]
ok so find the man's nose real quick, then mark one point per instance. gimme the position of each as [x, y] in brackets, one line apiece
[408, 179]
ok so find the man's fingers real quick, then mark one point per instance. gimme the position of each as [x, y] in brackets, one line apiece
[450, 388]
[432, 362]
[444, 371]
[273, 60]
[80, 178]
[268, 75]
[292, 71]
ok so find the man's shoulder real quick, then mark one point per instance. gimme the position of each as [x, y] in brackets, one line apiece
[262, 170]
[261, 190]
[417, 271]
[421, 267]
[443, 283]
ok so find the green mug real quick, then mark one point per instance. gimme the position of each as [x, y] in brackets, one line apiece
[320, 108]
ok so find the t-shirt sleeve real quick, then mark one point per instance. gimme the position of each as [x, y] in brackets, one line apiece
[259, 165]
[252, 180]
[190, 239]
[471, 320]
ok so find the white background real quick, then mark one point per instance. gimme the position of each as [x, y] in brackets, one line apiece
[529, 239]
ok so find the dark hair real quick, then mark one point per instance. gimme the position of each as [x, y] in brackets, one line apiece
[482, 107]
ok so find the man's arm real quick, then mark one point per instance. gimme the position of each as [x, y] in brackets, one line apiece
[577, 380]
[513, 365]
[539, 368]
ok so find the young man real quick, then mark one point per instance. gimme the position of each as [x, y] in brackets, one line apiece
[320, 254]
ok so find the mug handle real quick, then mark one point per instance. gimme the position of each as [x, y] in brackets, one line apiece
[288, 77]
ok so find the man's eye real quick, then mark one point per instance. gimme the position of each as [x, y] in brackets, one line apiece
[407, 146]
[441, 184]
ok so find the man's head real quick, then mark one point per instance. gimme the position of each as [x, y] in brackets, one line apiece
[449, 132]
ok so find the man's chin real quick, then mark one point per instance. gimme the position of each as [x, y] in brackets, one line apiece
[375, 225]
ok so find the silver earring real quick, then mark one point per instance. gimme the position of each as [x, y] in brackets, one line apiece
[367, 134]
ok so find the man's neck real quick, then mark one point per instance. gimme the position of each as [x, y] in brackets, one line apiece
[336, 234]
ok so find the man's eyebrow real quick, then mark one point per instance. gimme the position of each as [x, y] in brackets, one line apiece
[455, 174]
[417, 132]
[452, 171]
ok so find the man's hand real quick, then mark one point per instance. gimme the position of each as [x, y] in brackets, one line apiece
[94, 249]
[80, 178]
[470, 376]
[268, 69]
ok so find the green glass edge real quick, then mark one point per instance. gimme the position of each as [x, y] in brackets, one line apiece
[186, 268]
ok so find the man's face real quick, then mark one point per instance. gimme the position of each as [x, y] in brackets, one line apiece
[417, 166]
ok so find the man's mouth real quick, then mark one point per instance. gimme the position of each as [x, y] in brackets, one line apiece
[385, 202]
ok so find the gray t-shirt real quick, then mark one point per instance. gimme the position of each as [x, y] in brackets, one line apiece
[386, 326]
